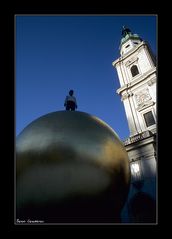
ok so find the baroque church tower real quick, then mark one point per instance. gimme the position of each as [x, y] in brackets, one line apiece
[136, 69]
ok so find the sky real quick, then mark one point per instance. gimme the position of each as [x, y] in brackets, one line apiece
[56, 53]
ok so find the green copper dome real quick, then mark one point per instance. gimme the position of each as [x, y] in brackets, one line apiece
[127, 34]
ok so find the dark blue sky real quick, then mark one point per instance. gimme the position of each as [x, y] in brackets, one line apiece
[57, 53]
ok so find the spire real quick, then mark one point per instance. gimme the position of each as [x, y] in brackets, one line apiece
[128, 35]
[125, 31]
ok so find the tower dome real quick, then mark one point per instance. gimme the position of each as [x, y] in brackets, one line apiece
[129, 40]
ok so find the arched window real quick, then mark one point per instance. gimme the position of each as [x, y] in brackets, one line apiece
[134, 70]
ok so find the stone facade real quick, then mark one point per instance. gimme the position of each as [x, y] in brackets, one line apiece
[138, 92]
[136, 70]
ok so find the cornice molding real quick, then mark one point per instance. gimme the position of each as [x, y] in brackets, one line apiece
[123, 57]
[138, 80]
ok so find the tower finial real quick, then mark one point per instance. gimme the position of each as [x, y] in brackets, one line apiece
[125, 31]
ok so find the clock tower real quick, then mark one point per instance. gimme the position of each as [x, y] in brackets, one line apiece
[136, 69]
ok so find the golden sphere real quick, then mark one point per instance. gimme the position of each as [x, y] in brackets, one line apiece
[70, 167]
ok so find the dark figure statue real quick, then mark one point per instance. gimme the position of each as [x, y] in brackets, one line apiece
[70, 101]
[125, 31]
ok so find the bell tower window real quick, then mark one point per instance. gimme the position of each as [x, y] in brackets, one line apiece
[134, 70]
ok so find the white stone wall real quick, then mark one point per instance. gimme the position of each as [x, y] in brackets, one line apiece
[138, 93]
[129, 45]
[148, 167]
[138, 55]
[144, 62]
[143, 151]
[131, 121]
[120, 74]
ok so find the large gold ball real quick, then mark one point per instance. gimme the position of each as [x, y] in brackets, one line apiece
[70, 167]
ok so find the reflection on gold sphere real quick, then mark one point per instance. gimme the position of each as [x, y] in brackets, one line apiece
[70, 167]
